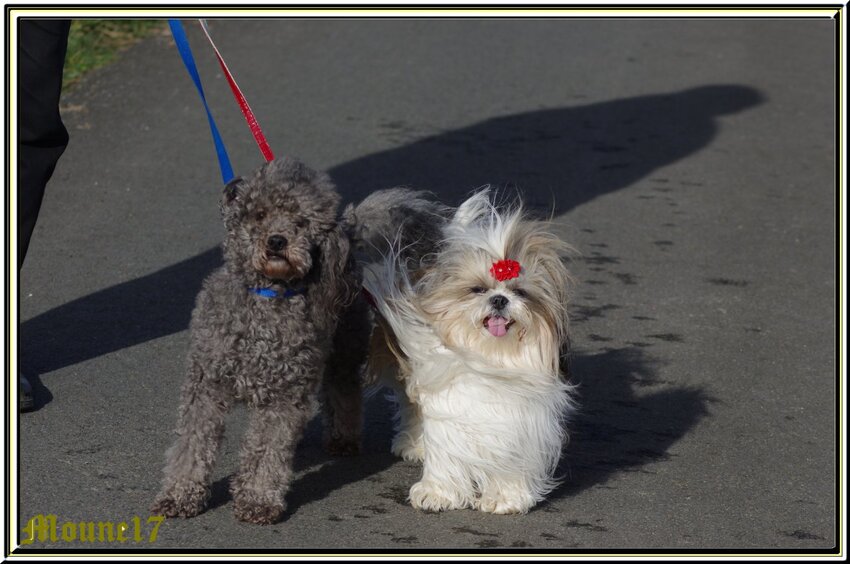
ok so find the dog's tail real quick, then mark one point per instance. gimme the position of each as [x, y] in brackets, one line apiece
[391, 229]
[398, 217]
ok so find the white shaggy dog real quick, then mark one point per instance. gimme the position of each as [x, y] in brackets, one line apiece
[476, 332]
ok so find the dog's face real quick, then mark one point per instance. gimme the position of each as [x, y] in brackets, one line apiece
[498, 287]
[277, 221]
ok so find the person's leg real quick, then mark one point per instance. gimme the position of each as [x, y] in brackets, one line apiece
[42, 136]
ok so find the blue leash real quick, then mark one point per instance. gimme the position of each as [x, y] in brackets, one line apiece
[186, 54]
[223, 161]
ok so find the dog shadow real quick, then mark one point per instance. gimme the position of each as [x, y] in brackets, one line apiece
[623, 425]
[628, 418]
[322, 475]
[319, 474]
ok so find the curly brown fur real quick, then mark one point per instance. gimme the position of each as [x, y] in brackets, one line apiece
[279, 355]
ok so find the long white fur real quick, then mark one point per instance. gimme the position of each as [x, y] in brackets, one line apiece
[493, 410]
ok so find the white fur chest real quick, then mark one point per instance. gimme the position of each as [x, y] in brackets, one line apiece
[499, 419]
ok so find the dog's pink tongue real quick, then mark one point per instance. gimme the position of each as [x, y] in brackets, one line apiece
[497, 326]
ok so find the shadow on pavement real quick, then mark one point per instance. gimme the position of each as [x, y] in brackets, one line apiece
[329, 475]
[318, 474]
[557, 158]
[117, 317]
[628, 417]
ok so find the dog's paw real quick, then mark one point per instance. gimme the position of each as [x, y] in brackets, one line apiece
[505, 501]
[257, 513]
[190, 501]
[342, 446]
[411, 450]
[428, 496]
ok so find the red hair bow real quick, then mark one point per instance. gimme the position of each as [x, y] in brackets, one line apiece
[505, 269]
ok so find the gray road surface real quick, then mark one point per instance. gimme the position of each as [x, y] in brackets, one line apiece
[691, 162]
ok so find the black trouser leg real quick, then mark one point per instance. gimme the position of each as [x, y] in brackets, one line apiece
[42, 136]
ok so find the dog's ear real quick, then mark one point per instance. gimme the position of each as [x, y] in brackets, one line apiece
[338, 277]
[231, 190]
[228, 196]
[473, 209]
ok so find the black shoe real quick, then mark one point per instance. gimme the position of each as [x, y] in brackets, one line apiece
[25, 389]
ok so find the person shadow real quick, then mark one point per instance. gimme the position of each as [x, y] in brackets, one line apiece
[558, 158]
[111, 319]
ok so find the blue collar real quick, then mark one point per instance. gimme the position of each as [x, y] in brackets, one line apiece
[269, 293]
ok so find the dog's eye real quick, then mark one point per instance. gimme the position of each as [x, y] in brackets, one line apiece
[520, 292]
[260, 215]
[301, 224]
[477, 290]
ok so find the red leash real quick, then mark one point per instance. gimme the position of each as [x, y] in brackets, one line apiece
[256, 131]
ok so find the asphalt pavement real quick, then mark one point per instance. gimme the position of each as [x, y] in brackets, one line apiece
[691, 162]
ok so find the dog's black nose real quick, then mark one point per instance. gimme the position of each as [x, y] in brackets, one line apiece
[499, 301]
[276, 243]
